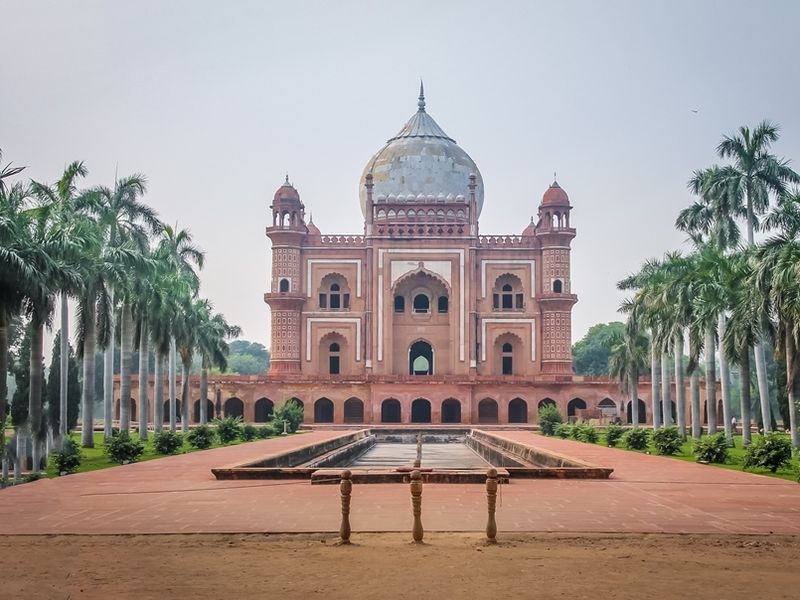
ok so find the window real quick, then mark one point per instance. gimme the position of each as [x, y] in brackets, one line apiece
[421, 303]
[496, 301]
[323, 301]
[333, 359]
[283, 286]
[508, 358]
[336, 297]
[443, 305]
[558, 286]
[518, 301]
[346, 301]
[508, 303]
[399, 304]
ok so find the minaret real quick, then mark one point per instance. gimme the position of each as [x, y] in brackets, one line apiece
[285, 297]
[556, 300]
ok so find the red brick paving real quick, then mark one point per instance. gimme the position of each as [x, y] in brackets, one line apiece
[179, 495]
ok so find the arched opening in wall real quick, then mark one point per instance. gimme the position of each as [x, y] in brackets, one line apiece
[285, 219]
[166, 411]
[518, 411]
[507, 293]
[283, 286]
[674, 412]
[574, 406]
[399, 304]
[487, 411]
[422, 304]
[323, 411]
[177, 410]
[442, 304]
[333, 358]
[333, 355]
[558, 286]
[508, 359]
[234, 407]
[420, 358]
[209, 411]
[545, 402]
[299, 403]
[451, 411]
[608, 408]
[334, 293]
[263, 410]
[420, 411]
[353, 411]
[390, 411]
[642, 412]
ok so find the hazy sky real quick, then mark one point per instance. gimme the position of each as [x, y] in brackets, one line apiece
[215, 101]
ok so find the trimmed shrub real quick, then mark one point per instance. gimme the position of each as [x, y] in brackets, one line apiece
[613, 434]
[769, 451]
[563, 430]
[123, 449]
[291, 412]
[637, 438]
[667, 440]
[249, 433]
[228, 429]
[711, 448]
[201, 437]
[549, 419]
[585, 432]
[168, 442]
[264, 432]
[68, 459]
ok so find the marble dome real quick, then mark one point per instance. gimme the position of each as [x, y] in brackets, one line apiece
[421, 162]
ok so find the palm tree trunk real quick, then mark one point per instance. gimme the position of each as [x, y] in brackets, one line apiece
[108, 374]
[185, 397]
[3, 390]
[711, 381]
[35, 395]
[680, 392]
[633, 396]
[126, 339]
[20, 454]
[694, 392]
[173, 386]
[158, 393]
[725, 381]
[89, 348]
[655, 396]
[666, 396]
[204, 394]
[793, 387]
[746, 400]
[64, 375]
[143, 380]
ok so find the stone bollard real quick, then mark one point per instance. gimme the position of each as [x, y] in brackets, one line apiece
[418, 462]
[345, 487]
[416, 505]
[491, 499]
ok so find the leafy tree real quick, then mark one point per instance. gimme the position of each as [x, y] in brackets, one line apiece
[590, 354]
[549, 419]
[53, 389]
[248, 358]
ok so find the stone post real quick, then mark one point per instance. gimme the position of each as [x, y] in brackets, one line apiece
[416, 504]
[345, 487]
[418, 461]
[491, 499]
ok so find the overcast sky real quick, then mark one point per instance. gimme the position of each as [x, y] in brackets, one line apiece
[215, 101]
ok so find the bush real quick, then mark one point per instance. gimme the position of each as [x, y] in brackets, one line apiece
[123, 449]
[613, 434]
[636, 438]
[769, 451]
[585, 432]
[201, 437]
[249, 433]
[549, 419]
[667, 440]
[69, 458]
[228, 429]
[291, 412]
[711, 448]
[264, 432]
[168, 442]
[563, 430]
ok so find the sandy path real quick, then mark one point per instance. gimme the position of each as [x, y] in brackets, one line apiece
[379, 566]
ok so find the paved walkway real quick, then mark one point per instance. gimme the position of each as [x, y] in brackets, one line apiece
[179, 495]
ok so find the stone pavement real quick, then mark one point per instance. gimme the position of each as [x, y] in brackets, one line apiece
[180, 495]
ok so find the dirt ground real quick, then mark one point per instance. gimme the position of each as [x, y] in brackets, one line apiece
[383, 566]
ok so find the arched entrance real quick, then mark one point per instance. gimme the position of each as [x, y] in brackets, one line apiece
[420, 411]
[323, 411]
[608, 408]
[642, 412]
[390, 411]
[233, 407]
[420, 358]
[353, 411]
[451, 411]
[487, 411]
[209, 411]
[546, 402]
[263, 410]
[301, 405]
[574, 406]
[518, 411]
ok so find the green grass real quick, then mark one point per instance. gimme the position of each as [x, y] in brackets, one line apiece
[735, 458]
[95, 458]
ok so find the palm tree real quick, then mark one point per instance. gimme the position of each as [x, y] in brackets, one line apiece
[629, 355]
[213, 347]
[194, 312]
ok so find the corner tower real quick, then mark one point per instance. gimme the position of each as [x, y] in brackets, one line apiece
[287, 232]
[556, 300]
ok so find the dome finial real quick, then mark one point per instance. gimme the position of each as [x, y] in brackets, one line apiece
[286, 181]
[555, 178]
[421, 103]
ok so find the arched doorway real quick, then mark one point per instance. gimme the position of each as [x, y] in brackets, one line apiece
[263, 410]
[390, 411]
[642, 412]
[451, 411]
[487, 411]
[574, 406]
[518, 411]
[209, 411]
[353, 411]
[546, 402]
[608, 408]
[420, 358]
[420, 411]
[323, 411]
[233, 407]
[301, 405]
